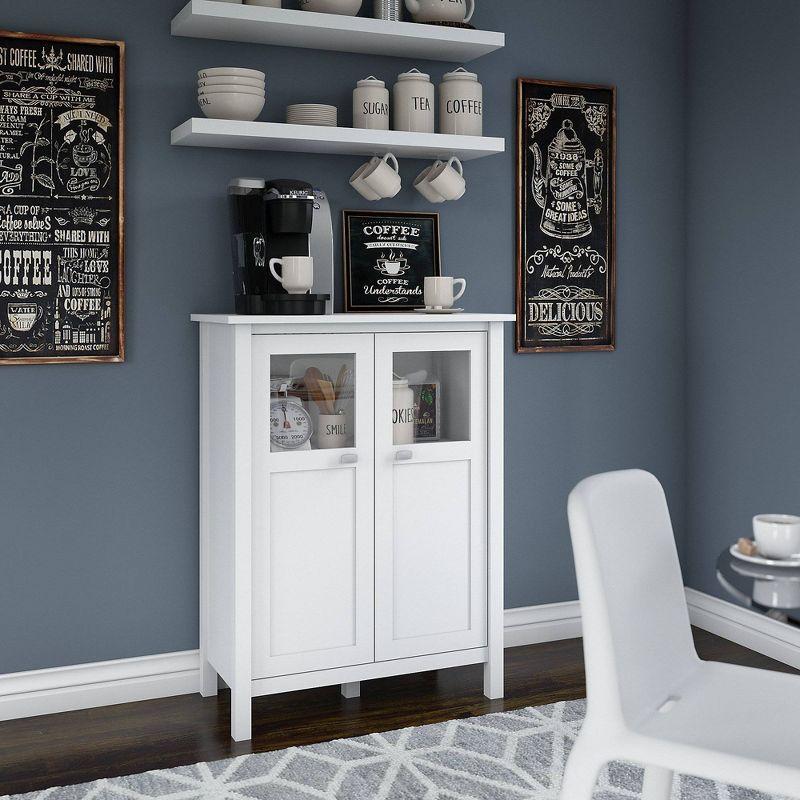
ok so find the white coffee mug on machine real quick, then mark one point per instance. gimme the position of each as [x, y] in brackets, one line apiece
[297, 273]
[439, 292]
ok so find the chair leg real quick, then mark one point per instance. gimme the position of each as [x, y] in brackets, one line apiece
[657, 783]
[583, 769]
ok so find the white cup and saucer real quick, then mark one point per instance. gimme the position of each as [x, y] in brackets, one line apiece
[777, 538]
[441, 296]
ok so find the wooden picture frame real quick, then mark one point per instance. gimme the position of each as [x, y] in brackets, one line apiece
[62, 300]
[566, 220]
[387, 256]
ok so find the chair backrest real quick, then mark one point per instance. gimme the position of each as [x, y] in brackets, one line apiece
[636, 633]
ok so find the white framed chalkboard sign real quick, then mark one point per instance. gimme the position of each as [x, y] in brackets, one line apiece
[61, 199]
[387, 257]
[566, 273]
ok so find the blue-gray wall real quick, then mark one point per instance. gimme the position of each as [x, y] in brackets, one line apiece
[98, 485]
[743, 281]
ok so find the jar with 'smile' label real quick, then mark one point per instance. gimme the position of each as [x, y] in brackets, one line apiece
[461, 104]
[414, 102]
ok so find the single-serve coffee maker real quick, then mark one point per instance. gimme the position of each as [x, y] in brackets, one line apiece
[278, 228]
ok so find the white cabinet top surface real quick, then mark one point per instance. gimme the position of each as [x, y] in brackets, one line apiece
[350, 319]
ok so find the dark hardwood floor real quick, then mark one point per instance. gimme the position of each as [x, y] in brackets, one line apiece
[82, 746]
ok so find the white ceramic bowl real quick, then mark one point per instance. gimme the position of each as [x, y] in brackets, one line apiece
[347, 7]
[231, 80]
[206, 90]
[240, 72]
[777, 535]
[233, 105]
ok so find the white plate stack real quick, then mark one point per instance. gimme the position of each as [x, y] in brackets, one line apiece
[312, 114]
[231, 93]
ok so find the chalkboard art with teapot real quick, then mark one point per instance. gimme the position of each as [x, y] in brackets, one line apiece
[566, 281]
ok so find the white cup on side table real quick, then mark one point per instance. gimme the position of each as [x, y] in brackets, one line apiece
[777, 535]
[440, 292]
[297, 273]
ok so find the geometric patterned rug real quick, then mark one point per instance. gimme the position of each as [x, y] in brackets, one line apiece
[515, 755]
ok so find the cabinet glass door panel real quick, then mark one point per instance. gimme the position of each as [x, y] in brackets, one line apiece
[431, 397]
[430, 493]
[313, 503]
[312, 401]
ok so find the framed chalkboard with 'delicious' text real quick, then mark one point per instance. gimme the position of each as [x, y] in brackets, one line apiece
[61, 199]
[566, 273]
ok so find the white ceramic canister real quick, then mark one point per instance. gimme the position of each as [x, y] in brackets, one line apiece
[461, 103]
[371, 105]
[414, 102]
[403, 412]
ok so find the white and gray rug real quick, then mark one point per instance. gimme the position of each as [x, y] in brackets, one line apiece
[516, 755]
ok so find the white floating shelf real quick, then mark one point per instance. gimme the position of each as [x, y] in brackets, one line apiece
[202, 132]
[209, 19]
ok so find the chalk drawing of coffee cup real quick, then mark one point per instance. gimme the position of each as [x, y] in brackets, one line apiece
[23, 316]
[392, 266]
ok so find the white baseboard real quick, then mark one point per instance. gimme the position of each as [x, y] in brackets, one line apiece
[127, 680]
[747, 628]
[104, 683]
[547, 623]
[50, 691]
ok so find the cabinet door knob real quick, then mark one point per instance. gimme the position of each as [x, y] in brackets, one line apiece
[350, 458]
[404, 455]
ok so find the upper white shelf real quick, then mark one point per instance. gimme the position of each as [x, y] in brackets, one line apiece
[209, 19]
[232, 134]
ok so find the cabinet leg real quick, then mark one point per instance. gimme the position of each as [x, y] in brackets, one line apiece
[208, 679]
[493, 683]
[241, 713]
[351, 690]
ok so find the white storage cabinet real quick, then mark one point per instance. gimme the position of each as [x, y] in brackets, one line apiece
[323, 566]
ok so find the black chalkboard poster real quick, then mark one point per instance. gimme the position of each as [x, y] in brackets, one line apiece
[566, 275]
[387, 257]
[61, 199]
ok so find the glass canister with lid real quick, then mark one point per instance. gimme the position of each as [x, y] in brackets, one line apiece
[414, 102]
[371, 104]
[461, 103]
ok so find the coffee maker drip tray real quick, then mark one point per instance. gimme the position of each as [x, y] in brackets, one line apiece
[288, 305]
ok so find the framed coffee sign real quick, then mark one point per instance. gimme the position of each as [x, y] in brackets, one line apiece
[61, 199]
[566, 273]
[387, 257]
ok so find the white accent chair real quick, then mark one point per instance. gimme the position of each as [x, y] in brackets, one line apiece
[651, 700]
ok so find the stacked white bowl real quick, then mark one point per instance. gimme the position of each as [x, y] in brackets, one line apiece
[231, 93]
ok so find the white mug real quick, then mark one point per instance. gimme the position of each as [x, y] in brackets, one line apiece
[777, 535]
[376, 179]
[297, 273]
[439, 292]
[447, 179]
[424, 188]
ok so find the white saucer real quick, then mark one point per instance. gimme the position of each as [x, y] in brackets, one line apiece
[438, 310]
[765, 562]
